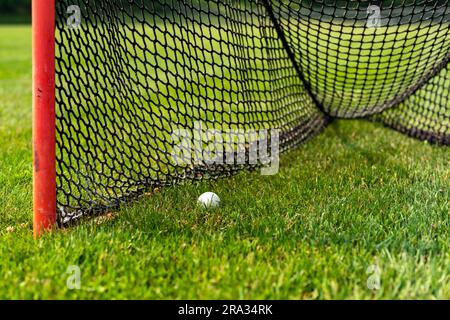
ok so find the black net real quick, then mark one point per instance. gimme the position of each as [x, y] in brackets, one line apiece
[136, 79]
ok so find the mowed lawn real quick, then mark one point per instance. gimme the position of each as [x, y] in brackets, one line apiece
[356, 202]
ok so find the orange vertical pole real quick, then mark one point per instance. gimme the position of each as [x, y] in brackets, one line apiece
[44, 149]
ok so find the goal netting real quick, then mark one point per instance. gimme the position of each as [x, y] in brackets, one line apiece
[132, 74]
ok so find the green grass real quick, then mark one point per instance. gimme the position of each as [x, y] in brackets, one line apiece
[355, 196]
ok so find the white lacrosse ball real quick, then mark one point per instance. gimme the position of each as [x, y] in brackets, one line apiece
[209, 200]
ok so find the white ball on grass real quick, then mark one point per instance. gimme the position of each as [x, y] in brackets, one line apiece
[209, 200]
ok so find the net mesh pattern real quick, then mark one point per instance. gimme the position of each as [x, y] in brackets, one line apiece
[132, 73]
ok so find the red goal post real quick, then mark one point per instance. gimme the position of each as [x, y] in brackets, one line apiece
[44, 143]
